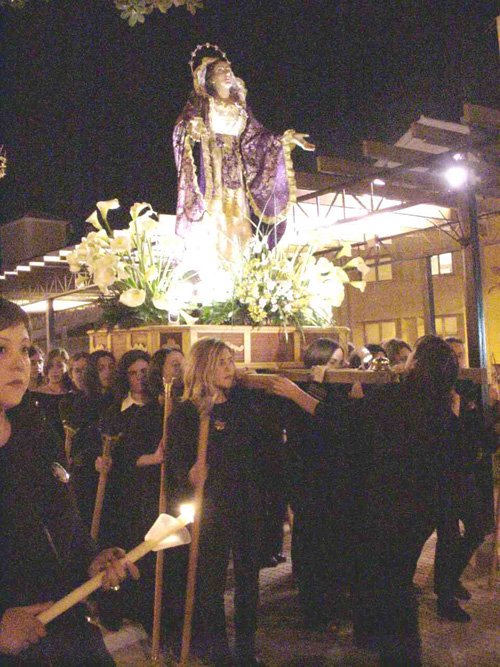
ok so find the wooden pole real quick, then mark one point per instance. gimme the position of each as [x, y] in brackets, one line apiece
[428, 296]
[162, 506]
[108, 441]
[69, 434]
[496, 540]
[195, 541]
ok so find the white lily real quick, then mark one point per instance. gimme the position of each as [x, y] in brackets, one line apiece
[106, 206]
[94, 220]
[133, 297]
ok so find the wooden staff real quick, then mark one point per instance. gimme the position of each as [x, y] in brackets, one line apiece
[69, 434]
[496, 540]
[107, 443]
[162, 506]
[195, 541]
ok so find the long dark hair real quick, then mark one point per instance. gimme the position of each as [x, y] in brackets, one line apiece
[121, 385]
[431, 380]
[155, 371]
[320, 351]
[93, 387]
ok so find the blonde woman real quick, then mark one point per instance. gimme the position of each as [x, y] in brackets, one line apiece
[231, 498]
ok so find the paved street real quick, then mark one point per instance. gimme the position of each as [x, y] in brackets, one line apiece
[283, 643]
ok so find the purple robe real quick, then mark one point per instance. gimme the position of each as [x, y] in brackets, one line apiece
[256, 160]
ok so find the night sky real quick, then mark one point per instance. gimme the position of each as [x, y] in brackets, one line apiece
[89, 104]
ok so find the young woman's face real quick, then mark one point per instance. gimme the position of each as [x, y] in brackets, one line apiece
[337, 359]
[173, 367]
[77, 373]
[14, 365]
[137, 374]
[459, 351]
[105, 371]
[58, 368]
[402, 356]
[36, 362]
[225, 370]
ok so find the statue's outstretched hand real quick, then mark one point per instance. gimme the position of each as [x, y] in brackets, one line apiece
[300, 139]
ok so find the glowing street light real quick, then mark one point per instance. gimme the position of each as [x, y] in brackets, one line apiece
[456, 177]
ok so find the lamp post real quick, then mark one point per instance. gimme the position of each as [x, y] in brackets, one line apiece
[460, 177]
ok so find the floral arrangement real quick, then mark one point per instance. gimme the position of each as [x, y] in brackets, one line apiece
[286, 288]
[133, 11]
[142, 277]
[138, 274]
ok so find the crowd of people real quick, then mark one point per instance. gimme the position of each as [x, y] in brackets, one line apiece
[368, 472]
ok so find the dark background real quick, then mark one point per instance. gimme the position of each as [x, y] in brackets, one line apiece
[89, 104]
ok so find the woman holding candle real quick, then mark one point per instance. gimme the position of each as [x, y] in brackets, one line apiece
[231, 506]
[44, 551]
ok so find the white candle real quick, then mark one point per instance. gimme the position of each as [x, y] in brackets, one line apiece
[156, 539]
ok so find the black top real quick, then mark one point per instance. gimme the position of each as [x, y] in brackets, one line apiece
[44, 551]
[237, 442]
[402, 457]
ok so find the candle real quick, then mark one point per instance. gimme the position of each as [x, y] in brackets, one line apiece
[165, 533]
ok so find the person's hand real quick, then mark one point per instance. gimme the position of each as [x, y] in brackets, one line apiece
[197, 128]
[19, 628]
[455, 403]
[300, 139]
[116, 570]
[103, 463]
[158, 455]
[356, 391]
[282, 386]
[198, 474]
[318, 373]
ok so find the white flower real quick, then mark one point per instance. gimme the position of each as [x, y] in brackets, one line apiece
[81, 281]
[121, 241]
[104, 276]
[151, 273]
[135, 210]
[161, 301]
[133, 298]
[105, 206]
[94, 220]
[121, 271]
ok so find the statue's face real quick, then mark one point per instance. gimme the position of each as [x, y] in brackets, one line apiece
[222, 77]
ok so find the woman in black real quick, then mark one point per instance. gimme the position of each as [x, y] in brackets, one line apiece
[47, 398]
[231, 508]
[401, 437]
[44, 551]
[84, 415]
[321, 504]
[145, 454]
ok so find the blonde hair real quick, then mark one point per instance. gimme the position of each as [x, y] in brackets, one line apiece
[199, 373]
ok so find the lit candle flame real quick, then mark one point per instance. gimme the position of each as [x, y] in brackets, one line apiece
[187, 512]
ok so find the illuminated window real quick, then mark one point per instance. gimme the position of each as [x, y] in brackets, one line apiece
[447, 325]
[377, 331]
[379, 270]
[442, 265]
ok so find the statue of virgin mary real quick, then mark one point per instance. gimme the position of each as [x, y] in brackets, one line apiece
[229, 166]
